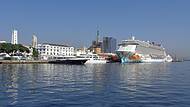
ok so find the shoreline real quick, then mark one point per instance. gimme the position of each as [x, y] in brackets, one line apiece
[23, 62]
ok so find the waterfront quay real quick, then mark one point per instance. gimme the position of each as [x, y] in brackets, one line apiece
[23, 61]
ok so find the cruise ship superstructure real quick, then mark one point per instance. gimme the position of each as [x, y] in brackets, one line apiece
[132, 50]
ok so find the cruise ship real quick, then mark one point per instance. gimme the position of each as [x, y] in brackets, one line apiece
[133, 50]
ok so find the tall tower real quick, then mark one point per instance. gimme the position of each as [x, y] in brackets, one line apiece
[34, 41]
[97, 36]
[14, 39]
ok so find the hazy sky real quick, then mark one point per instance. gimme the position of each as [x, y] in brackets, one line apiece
[75, 22]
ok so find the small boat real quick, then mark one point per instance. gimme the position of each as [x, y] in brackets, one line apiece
[74, 61]
[95, 59]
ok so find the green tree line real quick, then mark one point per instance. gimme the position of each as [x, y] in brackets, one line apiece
[10, 48]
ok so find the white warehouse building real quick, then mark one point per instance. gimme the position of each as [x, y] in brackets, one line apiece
[50, 51]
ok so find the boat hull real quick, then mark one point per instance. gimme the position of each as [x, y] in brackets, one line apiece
[69, 61]
[130, 57]
[96, 62]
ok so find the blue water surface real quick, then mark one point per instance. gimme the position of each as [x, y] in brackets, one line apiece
[95, 85]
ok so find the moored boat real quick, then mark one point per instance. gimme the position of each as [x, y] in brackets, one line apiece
[132, 50]
[94, 59]
[75, 61]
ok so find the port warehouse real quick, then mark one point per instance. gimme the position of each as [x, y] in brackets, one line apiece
[49, 51]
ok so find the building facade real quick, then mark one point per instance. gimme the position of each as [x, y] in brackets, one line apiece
[14, 39]
[109, 44]
[51, 51]
[34, 41]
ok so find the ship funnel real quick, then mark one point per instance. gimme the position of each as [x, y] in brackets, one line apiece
[133, 38]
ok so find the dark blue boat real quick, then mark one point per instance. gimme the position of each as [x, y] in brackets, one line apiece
[75, 61]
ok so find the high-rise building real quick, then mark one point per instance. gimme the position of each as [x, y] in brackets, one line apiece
[109, 44]
[34, 41]
[14, 39]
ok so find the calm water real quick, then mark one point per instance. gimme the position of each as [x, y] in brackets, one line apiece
[115, 85]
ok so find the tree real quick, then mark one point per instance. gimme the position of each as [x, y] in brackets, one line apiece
[35, 53]
[10, 48]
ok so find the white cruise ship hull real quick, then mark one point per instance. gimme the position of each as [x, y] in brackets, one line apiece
[153, 60]
[128, 59]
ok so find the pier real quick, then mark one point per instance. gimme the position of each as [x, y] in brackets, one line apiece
[23, 62]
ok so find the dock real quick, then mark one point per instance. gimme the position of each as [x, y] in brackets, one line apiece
[23, 62]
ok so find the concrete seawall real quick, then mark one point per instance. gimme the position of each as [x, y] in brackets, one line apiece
[23, 62]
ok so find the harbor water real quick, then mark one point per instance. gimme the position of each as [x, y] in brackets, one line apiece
[95, 85]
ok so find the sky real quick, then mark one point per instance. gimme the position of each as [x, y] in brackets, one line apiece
[75, 22]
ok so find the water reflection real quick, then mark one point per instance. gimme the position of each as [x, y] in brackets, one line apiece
[9, 82]
[74, 78]
[142, 71]
[97, 84]
[137, 79]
